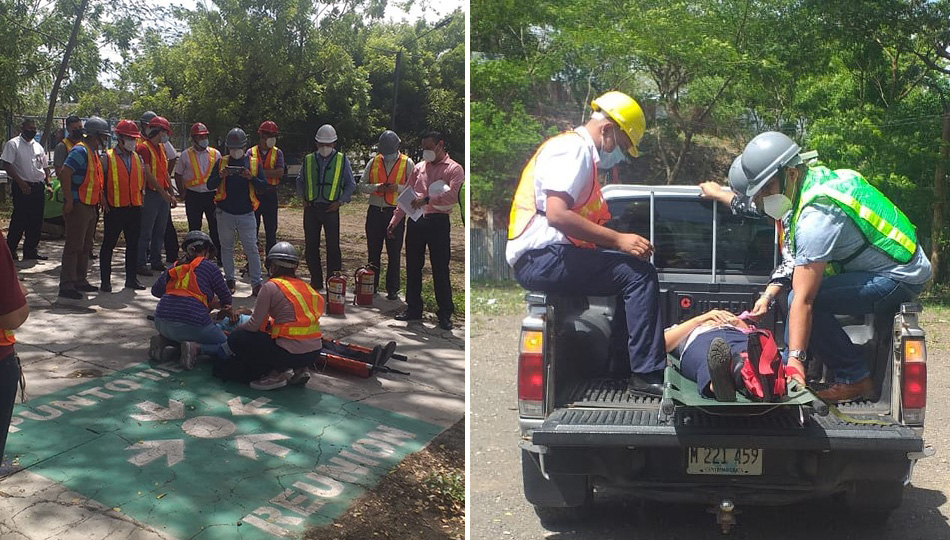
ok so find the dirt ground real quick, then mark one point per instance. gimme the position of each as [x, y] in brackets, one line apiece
[408, 504]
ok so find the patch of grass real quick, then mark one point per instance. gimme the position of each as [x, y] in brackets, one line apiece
[450, 487]
[497, 298]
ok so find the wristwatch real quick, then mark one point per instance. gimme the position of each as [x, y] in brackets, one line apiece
[796, 353]
[427, 199]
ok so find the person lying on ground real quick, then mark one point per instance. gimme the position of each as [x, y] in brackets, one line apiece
[711, 348]
[187, 292]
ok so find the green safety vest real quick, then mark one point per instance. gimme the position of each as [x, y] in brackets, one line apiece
[328, 185]
[882, 224]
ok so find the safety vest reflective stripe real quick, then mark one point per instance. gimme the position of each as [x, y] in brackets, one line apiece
[91, 188]
[270, 161]
[308, 306]
[524, 207]
[197, 178]
[183, 282]
[6, 338]
[222, 192]
[158, 162]
[311, 170]
[396, 176]
[68, 144]
[124, 187]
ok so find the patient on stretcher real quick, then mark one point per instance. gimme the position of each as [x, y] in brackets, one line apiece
[725, 354]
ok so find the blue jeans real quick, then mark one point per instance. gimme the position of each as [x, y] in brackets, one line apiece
[851, 293]
[155, 212]
[210, 337]
[246, 227]
[570, 270]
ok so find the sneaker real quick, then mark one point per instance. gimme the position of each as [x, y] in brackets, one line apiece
[155, 345]
[407, 316]
[171, 354]
[189, 354]
[71, 294]
[85, 287]
[143, 271]
[270, 382]
[719, 362]
[231, 285]
[300, 378]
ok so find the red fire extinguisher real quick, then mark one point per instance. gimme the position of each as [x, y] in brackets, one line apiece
[365, 288]
[336, 294]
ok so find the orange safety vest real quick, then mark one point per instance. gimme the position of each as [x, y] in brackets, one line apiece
[158, 161]
[377, 175]
[524, 207]
[124, 187]
[90, 191]
[182, 281]
[197, 178]
[308, 306]
[68, 144]
[222, 192]
[6, 338]
[270, 161]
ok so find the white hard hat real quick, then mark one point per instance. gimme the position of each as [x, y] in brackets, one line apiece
[438, 188]
[326, 134]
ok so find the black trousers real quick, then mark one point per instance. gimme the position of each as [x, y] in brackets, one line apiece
[268, 211]
[317, 218]
[171, 241]
[256, 354]
[430, 231]
[9, 377]
[27, 218]
[377, 219]
[127, 221]
[198, 205]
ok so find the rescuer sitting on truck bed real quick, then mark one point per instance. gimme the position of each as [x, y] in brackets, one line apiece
[557, 219]
[849, 250]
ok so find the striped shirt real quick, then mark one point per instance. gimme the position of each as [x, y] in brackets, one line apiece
[185, 309]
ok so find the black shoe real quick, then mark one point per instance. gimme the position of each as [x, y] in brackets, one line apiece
[231, 285]
[647, 383]
[392, 296]
[143, 271]
[719, 362]
[406, 316]
[85, 287]
[158, 267]
[374, 356]
[105, 286]
[134, 285]
[445, 323]
[387, 353]
[71, 294]
[34, 257]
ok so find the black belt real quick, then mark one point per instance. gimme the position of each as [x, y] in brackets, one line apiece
[382, 208]
[435, 215]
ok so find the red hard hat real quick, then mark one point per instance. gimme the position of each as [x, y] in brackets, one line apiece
[268, 127]
[198, 129]
[127, 128]
[161, 122]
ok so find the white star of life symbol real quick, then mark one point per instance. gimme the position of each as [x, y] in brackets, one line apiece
[203, 427]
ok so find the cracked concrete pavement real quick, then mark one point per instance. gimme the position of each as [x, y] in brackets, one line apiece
[67, 346]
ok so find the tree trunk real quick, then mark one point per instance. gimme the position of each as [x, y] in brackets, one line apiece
[681, 158]
[940, 196]
[54, 93]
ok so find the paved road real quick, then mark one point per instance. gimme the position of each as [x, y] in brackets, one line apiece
[500, 511]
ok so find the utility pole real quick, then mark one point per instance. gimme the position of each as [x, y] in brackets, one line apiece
[62, 72]
[392, 124]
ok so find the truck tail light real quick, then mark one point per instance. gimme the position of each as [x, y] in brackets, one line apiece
[531, 374]
[914, 380]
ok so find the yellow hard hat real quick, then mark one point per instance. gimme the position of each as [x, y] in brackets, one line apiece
[626, 112]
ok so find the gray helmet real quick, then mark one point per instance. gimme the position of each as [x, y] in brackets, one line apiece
[147, 117]
[197, 239]
[738, 181]
[97, 126]
[236, 138]
[326, 134]
[283, 254]
[388, 142]
[765, 154]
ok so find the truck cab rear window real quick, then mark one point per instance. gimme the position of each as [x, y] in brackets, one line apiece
[683, 235]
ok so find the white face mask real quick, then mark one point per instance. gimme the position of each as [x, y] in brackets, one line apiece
[164, 138]
[237, 153]
[428, 155]
[776, 206]
[612, 158]
[270, 141]
[325, 151]
[389, 158]
[203, 143]
[129, 145]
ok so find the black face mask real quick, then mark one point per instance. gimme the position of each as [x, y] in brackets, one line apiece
[29, 135]
[76, 134]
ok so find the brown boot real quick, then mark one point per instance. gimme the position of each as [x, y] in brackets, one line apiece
[847, 392]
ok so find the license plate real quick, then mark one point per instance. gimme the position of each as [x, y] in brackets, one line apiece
[726, 461]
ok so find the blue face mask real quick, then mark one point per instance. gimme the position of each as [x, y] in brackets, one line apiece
[611, 159]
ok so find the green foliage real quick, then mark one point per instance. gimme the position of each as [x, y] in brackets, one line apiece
[448, 486]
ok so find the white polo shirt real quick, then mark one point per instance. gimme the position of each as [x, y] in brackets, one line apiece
[27, 158]
[183, 167]
[564, 165]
